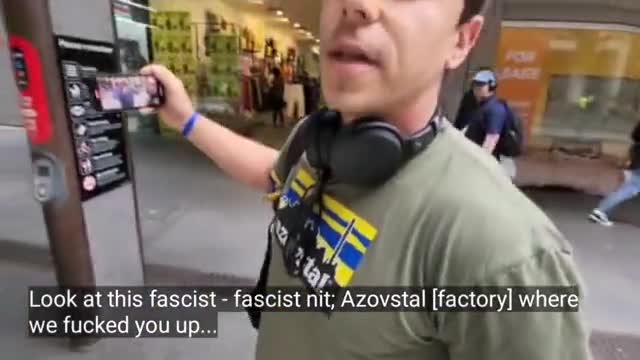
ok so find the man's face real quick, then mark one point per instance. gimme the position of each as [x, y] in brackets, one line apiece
[481, 90]
[378, 56]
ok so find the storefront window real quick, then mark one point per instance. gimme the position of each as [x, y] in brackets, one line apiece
[580, 83]
[591, 107]
[132, 30]
[131, 21]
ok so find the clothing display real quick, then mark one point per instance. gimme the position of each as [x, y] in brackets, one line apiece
[294, 97]
[247, 94]
[257, 86]
[311, 95]
[252, 94]
[217, 59]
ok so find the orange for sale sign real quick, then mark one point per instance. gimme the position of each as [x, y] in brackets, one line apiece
[521, 74]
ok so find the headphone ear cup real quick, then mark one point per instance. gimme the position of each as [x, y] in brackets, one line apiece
[366, 154]
[320, 133]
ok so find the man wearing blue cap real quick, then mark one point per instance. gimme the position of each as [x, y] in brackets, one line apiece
[488, 121]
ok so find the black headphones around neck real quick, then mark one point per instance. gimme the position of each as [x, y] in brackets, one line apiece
[365, 153]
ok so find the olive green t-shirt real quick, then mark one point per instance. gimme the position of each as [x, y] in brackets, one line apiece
[449, 217]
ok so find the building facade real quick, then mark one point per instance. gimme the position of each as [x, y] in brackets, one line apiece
[571, 68]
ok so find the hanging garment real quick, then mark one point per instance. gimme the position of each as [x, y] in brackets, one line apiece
[247, 102]
[294, 97]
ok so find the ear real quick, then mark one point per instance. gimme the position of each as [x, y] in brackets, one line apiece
[466, 38]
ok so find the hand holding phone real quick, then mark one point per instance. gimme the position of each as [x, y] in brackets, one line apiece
[178, 108]
[128, 92]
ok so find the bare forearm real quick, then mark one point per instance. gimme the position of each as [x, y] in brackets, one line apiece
[241, 158]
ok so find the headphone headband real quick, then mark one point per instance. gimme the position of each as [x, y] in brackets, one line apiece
[345, 152]
[423, 138]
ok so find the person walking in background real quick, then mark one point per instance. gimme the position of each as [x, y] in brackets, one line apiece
[276, 96]
[627, 191]
[486, 123]
[489, 121]
[468, 105]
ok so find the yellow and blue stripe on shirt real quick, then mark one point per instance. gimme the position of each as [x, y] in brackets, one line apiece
[343, 234]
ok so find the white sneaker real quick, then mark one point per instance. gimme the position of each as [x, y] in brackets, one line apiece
[600, 217]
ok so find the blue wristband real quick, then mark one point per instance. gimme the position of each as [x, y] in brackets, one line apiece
[191, 123]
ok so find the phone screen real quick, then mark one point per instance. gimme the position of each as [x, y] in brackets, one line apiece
[128, 92]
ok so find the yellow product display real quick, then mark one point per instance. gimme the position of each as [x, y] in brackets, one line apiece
[190, 83]
[167, 132]
[222, 44]
[160, 41]
[159, 20]
[180, 21]
[161, 58]
[179, 63]
[172, 62]
[225, 64]
[173, 46]
[189, 65]
[183, 42]
[176, 42]
[171, 20]
[223, 86]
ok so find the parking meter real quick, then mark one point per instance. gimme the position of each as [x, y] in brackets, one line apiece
[49, 184]
[82, 170]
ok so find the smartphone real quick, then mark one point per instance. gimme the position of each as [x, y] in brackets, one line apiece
[127, 92]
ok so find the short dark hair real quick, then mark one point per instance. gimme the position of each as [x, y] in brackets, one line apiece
[471, 9]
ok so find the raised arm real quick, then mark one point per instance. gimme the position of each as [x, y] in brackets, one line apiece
[241, 158]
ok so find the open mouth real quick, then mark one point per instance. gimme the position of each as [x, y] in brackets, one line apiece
[351, 56]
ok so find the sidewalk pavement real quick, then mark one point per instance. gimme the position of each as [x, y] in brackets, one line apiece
[191, 214]
[196, 220]
[236, 338]
[236, 341]
[607, 257]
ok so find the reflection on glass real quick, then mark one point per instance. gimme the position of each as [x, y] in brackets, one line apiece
[586, 84]
[591, 107]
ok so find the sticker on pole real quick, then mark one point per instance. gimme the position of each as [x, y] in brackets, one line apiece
[29, 78]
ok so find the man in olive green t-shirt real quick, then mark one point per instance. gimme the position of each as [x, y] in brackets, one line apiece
[447, 217]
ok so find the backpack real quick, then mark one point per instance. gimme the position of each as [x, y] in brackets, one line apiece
[512, 137]
[634, 151]
[635, 135]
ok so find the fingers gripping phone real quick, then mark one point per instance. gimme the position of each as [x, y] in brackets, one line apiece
[127, 92]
